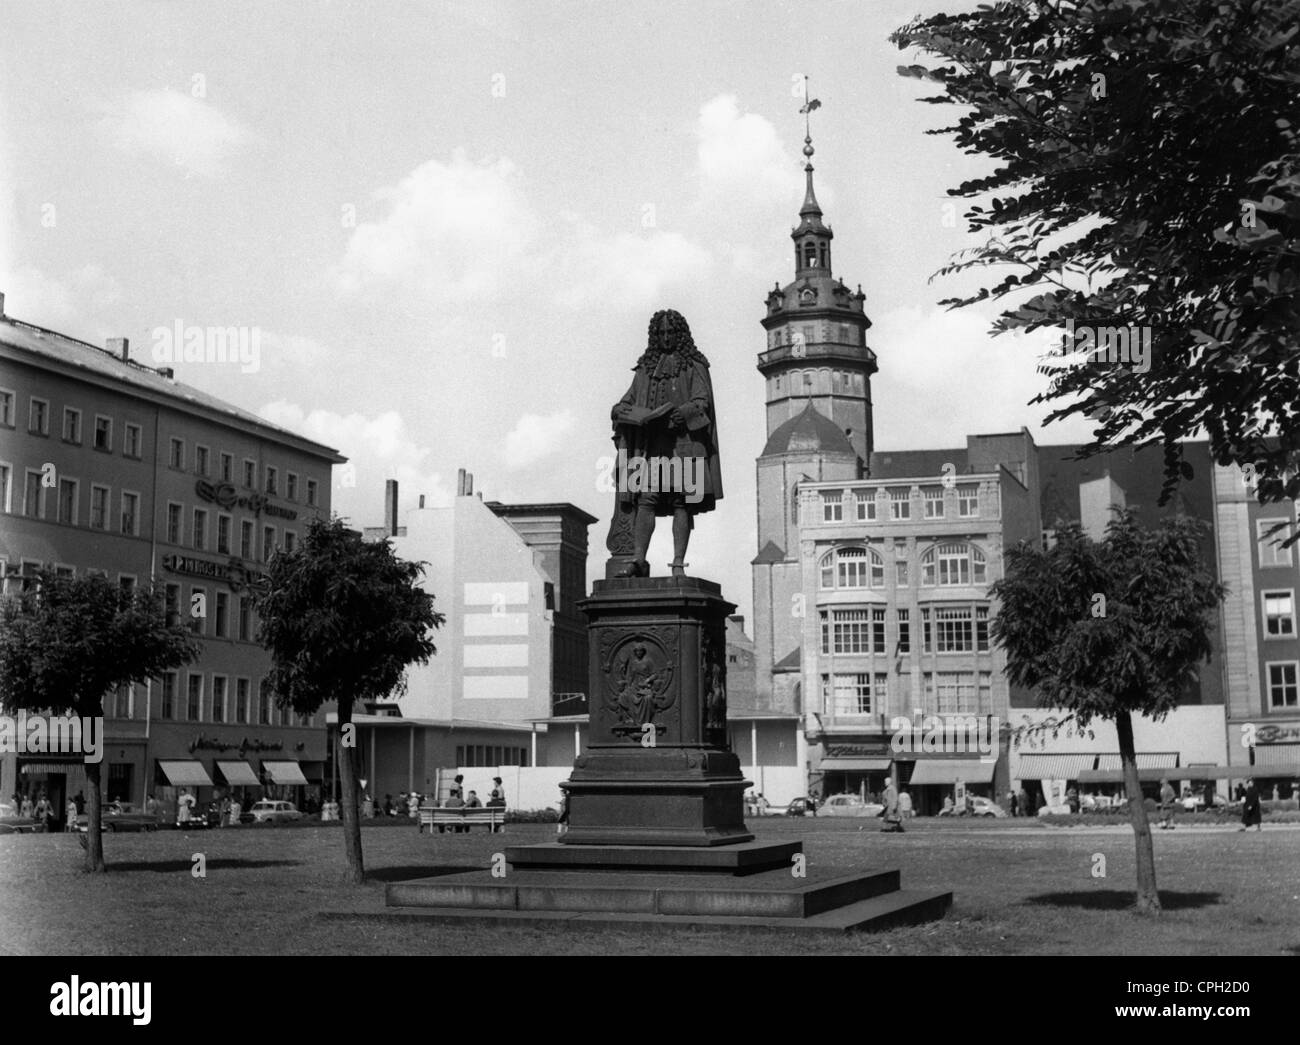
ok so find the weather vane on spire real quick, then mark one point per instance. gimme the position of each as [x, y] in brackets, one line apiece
[809, 105]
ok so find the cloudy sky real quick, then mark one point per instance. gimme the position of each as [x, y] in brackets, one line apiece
[450, 222]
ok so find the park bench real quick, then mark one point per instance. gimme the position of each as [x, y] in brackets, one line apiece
[493, 818]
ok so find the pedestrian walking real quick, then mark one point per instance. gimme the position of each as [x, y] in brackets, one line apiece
[1023, 802]
[893, 822]
[1251, 815]
[72, 816]
[183, 806]
[1167, 804]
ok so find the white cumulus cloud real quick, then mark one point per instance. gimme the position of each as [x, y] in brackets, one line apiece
[451, 231]
[742, 158]
[536, 436]
[174, 128]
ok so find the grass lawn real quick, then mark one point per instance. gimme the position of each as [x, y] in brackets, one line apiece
[1020, 888]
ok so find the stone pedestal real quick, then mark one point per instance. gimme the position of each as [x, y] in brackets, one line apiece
[657, 771]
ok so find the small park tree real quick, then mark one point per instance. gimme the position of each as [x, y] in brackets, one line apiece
[67, 641]
[1111, 630]
[342, 618]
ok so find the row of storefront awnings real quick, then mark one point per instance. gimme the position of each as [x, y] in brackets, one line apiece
[927, 771]
[187, 772]
[1270, 761]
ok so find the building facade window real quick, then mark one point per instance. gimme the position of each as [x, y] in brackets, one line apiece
[291, 541]
[221, 616]
[953, 629]
[194, 698]
[1282, 685]
[103, 433]
[933, 501]
[33, 495]
[1271, 552]
[131, 442]
[855, 695]
[852, 567]
[201, 460]
[1279, 614]
[900, 505]
[71, 425]
[246, 539]
[241, 700]
[311, 493]
[272, 480]
[263, 703]
[220, 712]
[38, 416]
[6, 487]
[268, 543]
[951, 692]
[953, 565]
[99, 513]
[250, 474]
[172, 603]
[198, 610]
[174, 523]
[200, 529]
[900, 571]
[227, 465]
[224, 523]
[866, 504]
[833, 507]
[904, 631]
[7, 400]
[968, 501]
[245, 618]
[67, 508]
[176, 456]
[130, 513]
[167, 698]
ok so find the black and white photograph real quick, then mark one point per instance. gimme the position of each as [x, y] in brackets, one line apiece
[699, 478]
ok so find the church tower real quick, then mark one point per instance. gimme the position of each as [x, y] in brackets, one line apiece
[818, 371]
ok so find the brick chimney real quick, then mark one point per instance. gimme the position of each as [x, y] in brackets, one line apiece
[120, 347]
[390, 506]
[460, 482]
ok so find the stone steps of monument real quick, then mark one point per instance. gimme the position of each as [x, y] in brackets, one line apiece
[886, 911]
[773, 894]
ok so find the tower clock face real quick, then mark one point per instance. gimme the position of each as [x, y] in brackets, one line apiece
[808, 295]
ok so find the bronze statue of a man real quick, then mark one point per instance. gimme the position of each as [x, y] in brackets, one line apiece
[665, 434]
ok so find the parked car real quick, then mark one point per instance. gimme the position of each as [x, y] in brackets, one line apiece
[985, 807]
[849, 805]
[802, 806]
[121, 818]
[271, 811]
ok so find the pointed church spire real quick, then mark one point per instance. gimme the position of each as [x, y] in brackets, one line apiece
[812, 238]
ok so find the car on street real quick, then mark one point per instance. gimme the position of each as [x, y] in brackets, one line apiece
[849, 805]
[121, 818]
[985, 807]
[802, 806]
[273, 811]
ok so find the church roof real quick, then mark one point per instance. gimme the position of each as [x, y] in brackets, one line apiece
[770, 553]
[790, 662]
[808, 432]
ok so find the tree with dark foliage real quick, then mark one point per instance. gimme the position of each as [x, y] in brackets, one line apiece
[342, 618]
[1147, 176]
[67, 641]
[1111, 630]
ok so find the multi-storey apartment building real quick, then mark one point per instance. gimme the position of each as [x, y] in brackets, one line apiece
[896, 572]
[111, 466]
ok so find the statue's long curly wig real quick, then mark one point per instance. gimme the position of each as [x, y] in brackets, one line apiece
[668, 332]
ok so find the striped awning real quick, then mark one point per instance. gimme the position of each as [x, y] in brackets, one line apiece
[185, 773]
[950, 770]
[284, 772]
[238, 774]
[1287, 755]
[1054, 767]
[1145, 760]
[44, 768]
[858, 765]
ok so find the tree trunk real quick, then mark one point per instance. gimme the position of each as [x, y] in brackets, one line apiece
[94, 818]
[356, 872]
[1148, 898]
